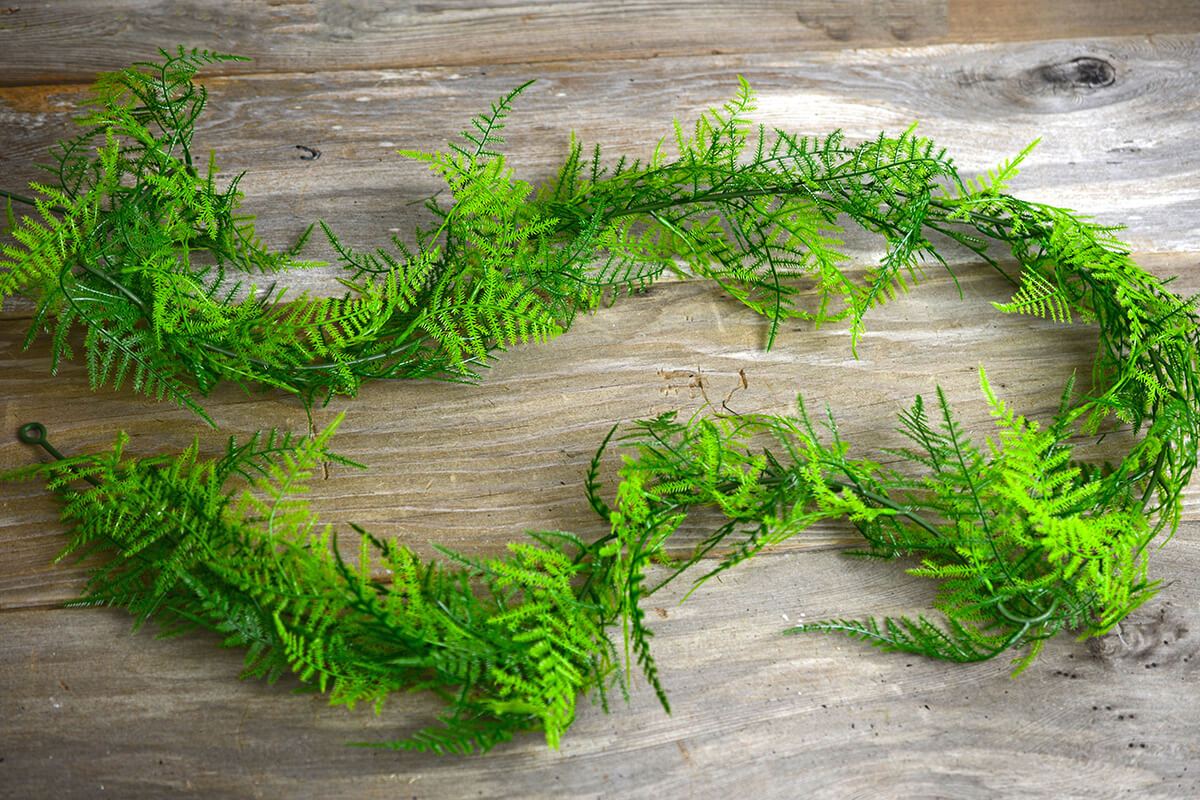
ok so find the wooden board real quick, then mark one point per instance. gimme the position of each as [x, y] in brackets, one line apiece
[71, 40]
[87, 706]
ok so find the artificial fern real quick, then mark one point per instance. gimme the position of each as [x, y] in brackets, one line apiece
[228, 544]
[153, 260]
[1025, 539]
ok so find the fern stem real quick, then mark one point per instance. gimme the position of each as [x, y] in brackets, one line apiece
[29, 201]
[795, 187]
[891, 505]
[120, 287]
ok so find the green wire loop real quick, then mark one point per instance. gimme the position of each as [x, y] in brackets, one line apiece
[34, 433]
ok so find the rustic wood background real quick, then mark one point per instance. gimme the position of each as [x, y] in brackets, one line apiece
[87, 710]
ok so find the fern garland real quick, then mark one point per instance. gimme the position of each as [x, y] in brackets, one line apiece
[1024, 539]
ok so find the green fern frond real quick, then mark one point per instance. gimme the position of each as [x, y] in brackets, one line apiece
[230, 545]
[1039, 298]
[1023, 540]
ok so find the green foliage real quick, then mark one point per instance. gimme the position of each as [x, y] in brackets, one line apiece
[144, 251]
[153, 259]
[757, 211]
[229, 545]
[1037, 297]
[1024, 539]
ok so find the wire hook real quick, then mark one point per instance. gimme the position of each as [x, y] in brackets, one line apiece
[34, 433]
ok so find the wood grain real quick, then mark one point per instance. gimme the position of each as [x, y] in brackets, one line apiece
[1110, 86]
[1013, 20]
[72, 40]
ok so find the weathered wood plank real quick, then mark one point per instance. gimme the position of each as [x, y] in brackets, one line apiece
[1123, 151]
[1014, 20]
[75, 39]
[756, 714]
[71, 41]
[88, 710]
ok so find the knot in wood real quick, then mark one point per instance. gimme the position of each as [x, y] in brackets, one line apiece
[1084, 72]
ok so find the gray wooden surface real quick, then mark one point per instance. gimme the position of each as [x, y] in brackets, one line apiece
[86, 710]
